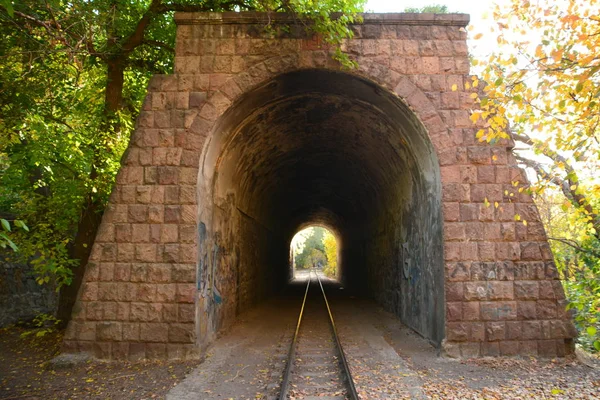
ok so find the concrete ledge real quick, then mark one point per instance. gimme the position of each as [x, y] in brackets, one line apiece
[251, 17]
[587, 359]
[68, 361]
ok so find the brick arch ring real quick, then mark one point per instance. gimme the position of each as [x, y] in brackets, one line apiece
[229, 96]
[225, 95]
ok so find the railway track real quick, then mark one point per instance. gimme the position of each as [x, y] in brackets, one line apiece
[316, 367]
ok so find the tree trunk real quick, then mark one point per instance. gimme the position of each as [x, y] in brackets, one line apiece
[81, 248]
[91, 213]
[113, 97]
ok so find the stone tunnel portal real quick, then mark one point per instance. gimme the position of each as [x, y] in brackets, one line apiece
[328, 148]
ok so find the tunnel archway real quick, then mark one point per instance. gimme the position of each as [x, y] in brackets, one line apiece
[331, 148]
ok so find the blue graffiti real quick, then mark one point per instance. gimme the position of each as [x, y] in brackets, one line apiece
[415, 275]
[217, 296]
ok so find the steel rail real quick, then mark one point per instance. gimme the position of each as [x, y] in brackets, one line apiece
[353, 395]
[349, 381]
[285, 384]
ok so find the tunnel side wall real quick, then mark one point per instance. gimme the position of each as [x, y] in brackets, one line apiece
[404, 255]
[233, 272]
[141, 295]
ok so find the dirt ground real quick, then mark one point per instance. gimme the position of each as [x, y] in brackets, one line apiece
[483, 378]
[25, 373]
[496, 379]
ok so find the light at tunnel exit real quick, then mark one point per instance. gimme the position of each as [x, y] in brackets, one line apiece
[314, 248]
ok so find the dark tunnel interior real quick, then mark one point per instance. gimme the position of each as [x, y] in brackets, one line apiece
[327, 148]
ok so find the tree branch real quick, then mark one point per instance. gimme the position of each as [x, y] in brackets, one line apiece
[137, 37]
[158, 7]
[58, 121]
[567, 186]
[545, 175]
[523, 139]
[34, 20]
[572, 178]
[157, 43]
[61, 34]
[575, 245]
[145, 65]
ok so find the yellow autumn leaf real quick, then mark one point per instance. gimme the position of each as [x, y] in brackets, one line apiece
[557, 55]
[454, 87]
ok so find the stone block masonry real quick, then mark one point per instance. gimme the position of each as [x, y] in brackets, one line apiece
[21, 297]
[162, 280]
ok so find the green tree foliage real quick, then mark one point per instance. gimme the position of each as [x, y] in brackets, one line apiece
[543, 80]
[73, 75]
[433, 8]
[313, 241]
[315, 258]
[5, 233]
[577, 257]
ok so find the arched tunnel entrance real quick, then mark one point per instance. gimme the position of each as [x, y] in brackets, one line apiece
[329, 148]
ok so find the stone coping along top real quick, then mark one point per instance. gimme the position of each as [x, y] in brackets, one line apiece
[249, 17]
